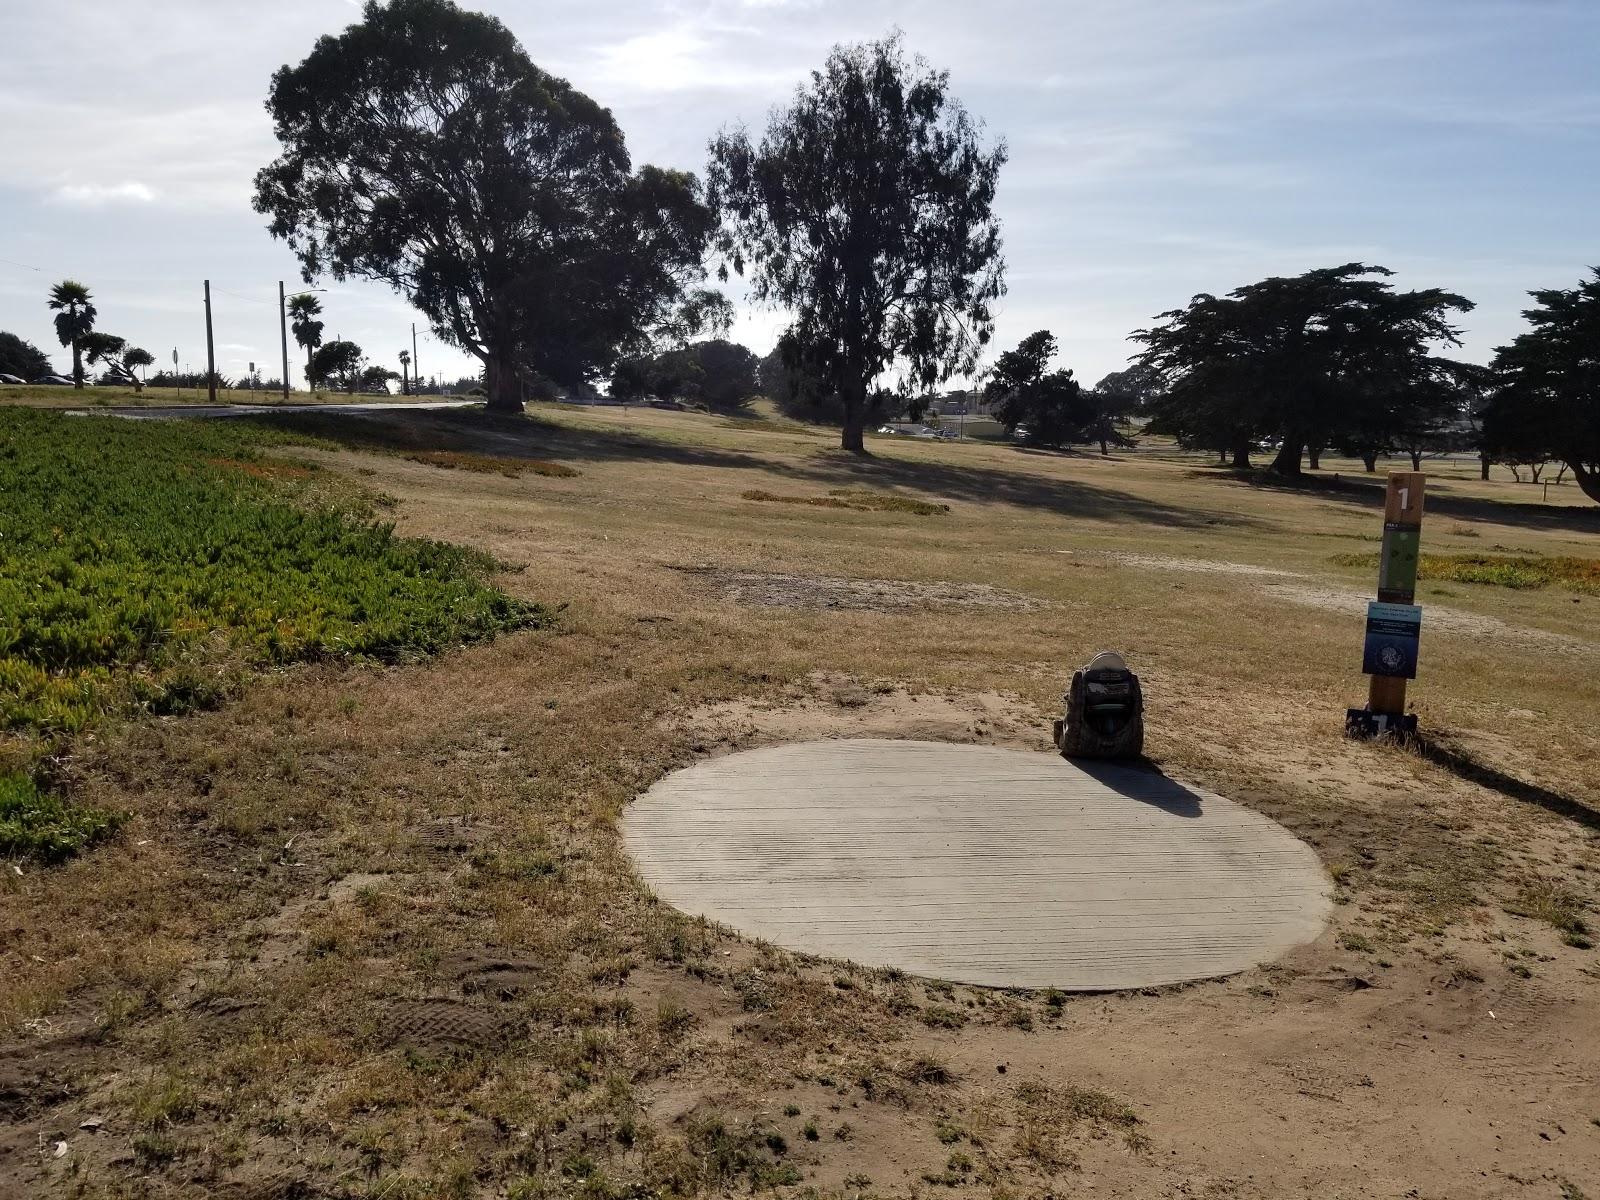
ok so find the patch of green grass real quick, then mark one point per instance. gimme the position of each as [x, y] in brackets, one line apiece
[486, 464]
[1499, 570]
[939, 1016]
[1556, 906]
[143, 563]
[860, 499]
[36, 824]
[128, 551]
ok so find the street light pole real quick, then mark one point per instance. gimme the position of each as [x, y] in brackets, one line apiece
[283, 335]
[211, 355]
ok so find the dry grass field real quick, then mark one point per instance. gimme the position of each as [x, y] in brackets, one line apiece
[36, 396]
[369, 931]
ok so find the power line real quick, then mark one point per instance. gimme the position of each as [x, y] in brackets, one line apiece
[246, 299]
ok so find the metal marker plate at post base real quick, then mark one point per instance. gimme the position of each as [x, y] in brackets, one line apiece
[1365, 724]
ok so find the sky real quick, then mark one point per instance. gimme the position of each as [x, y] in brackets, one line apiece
[1158, 148]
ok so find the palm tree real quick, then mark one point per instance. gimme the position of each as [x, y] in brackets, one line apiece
[74, 309]
[405, 372]
[303, 311]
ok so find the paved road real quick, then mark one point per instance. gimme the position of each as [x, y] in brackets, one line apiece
[166, 411]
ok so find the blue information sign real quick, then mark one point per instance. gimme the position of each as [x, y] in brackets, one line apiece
[1393, 631]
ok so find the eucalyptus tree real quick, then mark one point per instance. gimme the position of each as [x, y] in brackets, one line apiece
[867, 210]
[75, 314]
[423, 148]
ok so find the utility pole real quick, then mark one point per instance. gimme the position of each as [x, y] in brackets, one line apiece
[211, 354]
[416, 367]
[283, 335]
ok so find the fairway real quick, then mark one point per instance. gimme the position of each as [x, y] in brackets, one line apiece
[379, 921]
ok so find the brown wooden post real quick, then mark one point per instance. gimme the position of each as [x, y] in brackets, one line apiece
[1397, 583]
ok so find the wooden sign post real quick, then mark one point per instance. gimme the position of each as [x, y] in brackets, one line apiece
[1394, 622]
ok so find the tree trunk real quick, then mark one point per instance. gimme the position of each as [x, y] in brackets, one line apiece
[500, 381]
[310, 383]
[1369, 459]
[855, 417]
[1241, 455]
[1535, 470]
[1222, 455]
[1315, 453]
[1103, 450]
[1288, 460]
[1587, 479]
[405, 380]
[1416, 460]
[77, 364]
[1483, 466]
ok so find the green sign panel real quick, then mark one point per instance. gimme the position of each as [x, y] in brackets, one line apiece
[1397, 569]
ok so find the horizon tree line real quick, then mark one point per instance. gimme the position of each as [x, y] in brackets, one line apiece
[423, 147]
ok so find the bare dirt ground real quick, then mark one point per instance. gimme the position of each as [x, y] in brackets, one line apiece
[371, 933]
[782, 590]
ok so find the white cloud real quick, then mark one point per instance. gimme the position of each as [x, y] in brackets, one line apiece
[96, 195]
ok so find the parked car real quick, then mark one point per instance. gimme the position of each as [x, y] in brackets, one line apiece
[53, 381]
[10, 379]
[949, 435]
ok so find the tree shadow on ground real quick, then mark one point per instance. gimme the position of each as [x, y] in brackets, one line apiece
[1367, 492]
[477, 432]
[1141, 780]
[950, 481]
[1456, 759]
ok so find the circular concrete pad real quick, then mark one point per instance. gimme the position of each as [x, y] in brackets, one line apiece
[977, 864]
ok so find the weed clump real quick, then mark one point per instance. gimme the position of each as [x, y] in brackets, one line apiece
[486, 464]
[36, 824]
[1499, 570]
[860, 499]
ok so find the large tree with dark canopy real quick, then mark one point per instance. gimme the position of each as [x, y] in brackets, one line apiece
[22, 358]
[337, 364]
[1041, 406]
[1547, 400]
[120, 359]
[867, 209]
[423, 148]
[1302, 360]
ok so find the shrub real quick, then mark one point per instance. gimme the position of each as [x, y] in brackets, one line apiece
[35, 824]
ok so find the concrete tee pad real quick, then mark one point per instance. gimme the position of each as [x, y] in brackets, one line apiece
[976, 864]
